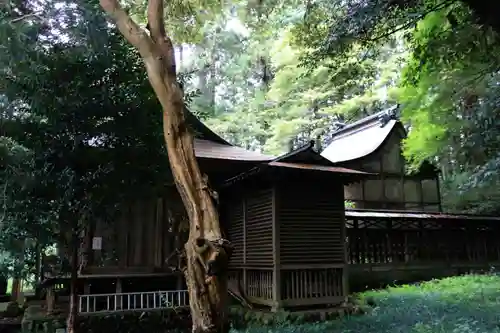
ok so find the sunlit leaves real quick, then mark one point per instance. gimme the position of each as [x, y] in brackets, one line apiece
[184, 20]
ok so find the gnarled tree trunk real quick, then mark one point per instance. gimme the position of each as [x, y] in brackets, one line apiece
[207, 253]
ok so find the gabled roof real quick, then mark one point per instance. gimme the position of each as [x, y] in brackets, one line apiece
[361, 138]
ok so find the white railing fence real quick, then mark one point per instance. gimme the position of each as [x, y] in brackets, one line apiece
[141, 301]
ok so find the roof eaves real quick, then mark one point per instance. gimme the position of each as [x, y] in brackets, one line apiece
[203, 129]
[294, 152]
[244, 175]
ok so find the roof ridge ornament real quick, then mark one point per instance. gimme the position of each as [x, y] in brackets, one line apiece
[388, 115]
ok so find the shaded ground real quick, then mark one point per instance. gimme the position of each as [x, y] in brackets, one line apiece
[467, 304]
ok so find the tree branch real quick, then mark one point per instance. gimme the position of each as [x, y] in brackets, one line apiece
[25, 17]
[129, 29]
[155, 20]
[412, 22]
[159, 36]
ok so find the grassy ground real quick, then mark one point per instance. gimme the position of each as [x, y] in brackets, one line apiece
[466, 304]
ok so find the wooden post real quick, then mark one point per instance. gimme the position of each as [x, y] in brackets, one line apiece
[440, 207]
[16, 289]
[119, 299]
[179, 281]
[388, 233]
[406, 251]
[245, 282]
[50, 299]
[343, 232]
[276, 254]
[86, 287]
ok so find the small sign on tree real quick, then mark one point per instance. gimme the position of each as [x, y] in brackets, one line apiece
[97, 243]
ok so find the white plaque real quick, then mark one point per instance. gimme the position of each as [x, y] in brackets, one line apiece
[96, 243]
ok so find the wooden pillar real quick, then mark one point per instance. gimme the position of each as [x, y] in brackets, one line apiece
[420, 254]
[276, 253]
[245, 282]
[86, 287]
[17, 282]
[16, 289]
[50, 299]
[119, 298]
[406, 252]
[90, 239]
[345, 270]
[440, 207]
[180, 282]
[388, 234]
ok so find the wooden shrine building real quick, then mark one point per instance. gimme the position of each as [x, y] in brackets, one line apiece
[373, 144]
[286, 220]
[141, 242]
[296, 244]
[395, 227]
[284, 215]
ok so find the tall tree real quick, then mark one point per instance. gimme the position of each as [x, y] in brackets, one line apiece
[207, 253]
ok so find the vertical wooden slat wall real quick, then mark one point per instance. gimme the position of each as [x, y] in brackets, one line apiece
[310, 213]
[248, 217]
[234, 221]
[259, 238]
[142, 235]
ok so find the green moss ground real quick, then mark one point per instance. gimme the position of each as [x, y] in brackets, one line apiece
[465, 304]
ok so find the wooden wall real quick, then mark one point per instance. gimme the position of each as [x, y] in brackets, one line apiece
[391, 188]
[142, 237]
[311, 218]
[248, 216]
[311, 246]
[289, 240]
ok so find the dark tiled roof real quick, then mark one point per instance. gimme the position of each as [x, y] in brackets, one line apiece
[214, 150]
[361, 138]
[208, 144]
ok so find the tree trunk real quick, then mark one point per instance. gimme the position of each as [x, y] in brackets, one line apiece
[73, 304]
[207, 253]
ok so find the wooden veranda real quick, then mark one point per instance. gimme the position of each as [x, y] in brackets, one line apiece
[397, 245]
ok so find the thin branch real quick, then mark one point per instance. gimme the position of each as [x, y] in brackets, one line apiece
[160, 38]
[412, 22]
[155, 20]
[25, 17]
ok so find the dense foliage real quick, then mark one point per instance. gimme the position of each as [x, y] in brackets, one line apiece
[74, 130]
